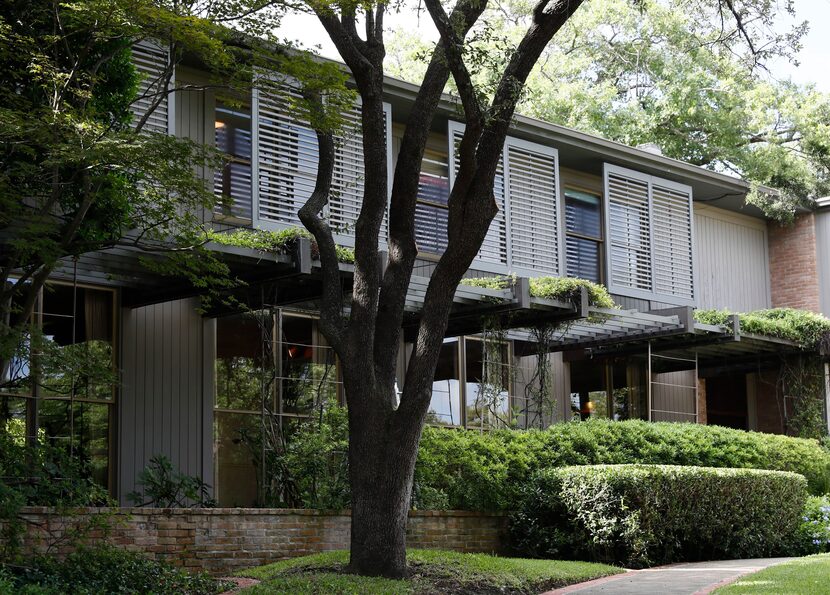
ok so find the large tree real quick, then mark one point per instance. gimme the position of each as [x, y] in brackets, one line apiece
[693, 77]
[383, 430]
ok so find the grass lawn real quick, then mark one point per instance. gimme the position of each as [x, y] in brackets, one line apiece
[432, 572]
[805, 576]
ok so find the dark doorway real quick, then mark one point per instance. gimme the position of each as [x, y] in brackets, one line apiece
[726, 401]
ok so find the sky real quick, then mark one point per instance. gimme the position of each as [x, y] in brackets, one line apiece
[814, 57]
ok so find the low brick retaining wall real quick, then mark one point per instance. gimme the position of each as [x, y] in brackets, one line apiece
[221, 540]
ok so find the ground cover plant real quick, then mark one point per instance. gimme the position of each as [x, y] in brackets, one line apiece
[808, 329]
[797, 577]
[104, 569]
[430, 571]
[644, 515]
[552, 288]
[276, 242]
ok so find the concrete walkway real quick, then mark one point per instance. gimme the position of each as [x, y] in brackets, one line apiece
[697, 578]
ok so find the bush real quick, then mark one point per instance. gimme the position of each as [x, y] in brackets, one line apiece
[41, 475]
[815, 525]
[105, 570]
[487, 471]
[641, 515]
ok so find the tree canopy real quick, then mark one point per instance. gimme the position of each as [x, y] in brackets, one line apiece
[684, 74]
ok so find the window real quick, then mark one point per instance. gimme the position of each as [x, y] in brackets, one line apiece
[583, 236]
[650, 237]
[60, 385]
[488, 380]
[273, 371]
[432, 209]
[233, 183]
[445, 405]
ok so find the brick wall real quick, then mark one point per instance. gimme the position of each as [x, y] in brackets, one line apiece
[793, 267]
[221, 540]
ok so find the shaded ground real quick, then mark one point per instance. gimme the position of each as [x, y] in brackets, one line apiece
[432, 572]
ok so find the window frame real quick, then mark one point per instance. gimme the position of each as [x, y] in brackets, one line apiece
[600, 240]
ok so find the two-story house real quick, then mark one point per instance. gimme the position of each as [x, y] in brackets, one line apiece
[663, 236]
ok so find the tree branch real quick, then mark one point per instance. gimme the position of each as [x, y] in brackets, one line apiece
[331, 319]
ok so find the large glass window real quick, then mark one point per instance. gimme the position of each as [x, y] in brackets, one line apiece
[273, 371]
[583, 239]
[232, 184]
[60, 385]
[432, 208]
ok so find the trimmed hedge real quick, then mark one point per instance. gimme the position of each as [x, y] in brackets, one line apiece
[474, 471]
[642, 515]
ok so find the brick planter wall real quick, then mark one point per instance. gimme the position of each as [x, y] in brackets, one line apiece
[221, 540]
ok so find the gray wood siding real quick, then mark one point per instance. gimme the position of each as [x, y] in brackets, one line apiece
[166, 400]
[823, 260]
[732, 263]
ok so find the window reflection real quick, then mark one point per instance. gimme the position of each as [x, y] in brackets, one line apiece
[445, 405]
[583, 240]
[233, 182]
[431, 210]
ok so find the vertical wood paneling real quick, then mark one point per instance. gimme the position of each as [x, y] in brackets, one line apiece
[732, 261]
[823, 260]
[166, 396]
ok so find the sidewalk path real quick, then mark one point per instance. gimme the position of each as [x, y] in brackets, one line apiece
[697, 578]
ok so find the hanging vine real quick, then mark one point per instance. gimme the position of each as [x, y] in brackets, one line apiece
[802, 381]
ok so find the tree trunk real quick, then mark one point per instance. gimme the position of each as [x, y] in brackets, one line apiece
[382, 458]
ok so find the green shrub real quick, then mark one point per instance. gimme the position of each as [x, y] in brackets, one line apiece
[105, 570]
[815, 525]
[641, 515]
[41, 475]
[487, 471]
[552, 288]
[808, 329]
[164, 487]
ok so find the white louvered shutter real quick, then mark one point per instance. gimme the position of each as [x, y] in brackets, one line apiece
[348, 178]
[150, 60]
[287, 155]
[671, 228]
[650, 236]
[494, 247]
[629, 232]
[286, 158]
[533, 207]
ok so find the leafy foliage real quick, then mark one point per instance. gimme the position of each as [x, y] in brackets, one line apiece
[487, 471]
[808, 329]
[678, 73]
[642, 515]
[39, 475]
[278, 242]
[165, 487]
[106, 569]
[552, 288]
[815, 526]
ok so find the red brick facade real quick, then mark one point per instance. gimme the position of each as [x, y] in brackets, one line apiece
[793, 267]
[222, 540]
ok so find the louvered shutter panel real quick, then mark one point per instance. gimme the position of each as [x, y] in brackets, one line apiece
[628, 232]
[348, 179]
[494, 247]
[286, 158]
[534, 213]
[671, 228]
[650, 236]
[150, 60]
